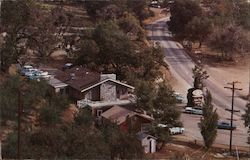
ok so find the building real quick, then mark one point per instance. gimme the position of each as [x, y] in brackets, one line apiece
[90, 89]
[148, 142]
[126, 118]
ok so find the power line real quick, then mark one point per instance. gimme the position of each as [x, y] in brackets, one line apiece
[232, 111]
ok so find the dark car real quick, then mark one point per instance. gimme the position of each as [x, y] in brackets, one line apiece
[225, 125]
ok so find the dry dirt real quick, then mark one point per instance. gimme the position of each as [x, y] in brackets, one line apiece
[180, 149]
[223, 72]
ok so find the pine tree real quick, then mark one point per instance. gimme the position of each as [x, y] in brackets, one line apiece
[208, 125]
[246, 118]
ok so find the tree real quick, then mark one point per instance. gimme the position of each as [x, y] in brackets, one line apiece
[131, 26]
[160, 102]
[164, 112]
[23, 22]
[50, 113]
[15, 16]
[199, 74]
[115, 49]
[139, 8]
[243, 17]
[182, 12]
[208, 124]
[93, 6]
[33, 92]
[164, 105]
[150, 66]
[198, 29]
[145, 93]
[45, 39]
[229, 41]
[122, 145]
[88, 54]
[246, 118]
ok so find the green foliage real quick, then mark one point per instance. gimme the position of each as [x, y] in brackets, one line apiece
[9, 98]
[229, 40]
[164, 106]
[208, 124]
[115, 48]
[145, 94]
[88, 53]
[182, 12]
[150, 69]
[84, 117]
[75, 141]
[50, 113]
[243, 17]
[93, 6]
[130, 25]
[9, 150]
[122, 145]
[246, 118]
[31, 94]
[8, 53]
[199, 74]
[15, 14]
[158, 101]
[162, 134]
[198, 29]
[139, 8]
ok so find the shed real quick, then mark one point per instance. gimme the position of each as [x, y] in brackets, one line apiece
[148, 142]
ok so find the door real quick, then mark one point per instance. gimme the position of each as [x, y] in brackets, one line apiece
[150, 146]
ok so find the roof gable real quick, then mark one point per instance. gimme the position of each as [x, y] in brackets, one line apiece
[106, 80]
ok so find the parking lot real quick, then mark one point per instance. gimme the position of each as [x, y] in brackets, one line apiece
[192, 131]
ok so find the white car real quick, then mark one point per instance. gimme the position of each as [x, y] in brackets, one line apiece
[176, 130]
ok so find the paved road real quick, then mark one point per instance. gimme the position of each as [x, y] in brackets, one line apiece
[181, 66]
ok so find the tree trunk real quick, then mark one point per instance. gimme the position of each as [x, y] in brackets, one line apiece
[200, 43]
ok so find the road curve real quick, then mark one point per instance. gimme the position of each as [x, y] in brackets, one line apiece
[181, 65]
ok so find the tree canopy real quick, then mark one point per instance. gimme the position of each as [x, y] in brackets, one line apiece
[229, 40]
[182, 12]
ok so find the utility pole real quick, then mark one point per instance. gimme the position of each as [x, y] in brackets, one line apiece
[20, 110]
[232, 111]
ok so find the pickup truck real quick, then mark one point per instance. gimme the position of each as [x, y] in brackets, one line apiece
[176, 130]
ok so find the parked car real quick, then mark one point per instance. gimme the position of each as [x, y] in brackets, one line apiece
[30, 72]
[178, 97]
[192, 110]
[225, 125]
[67, 66]
[155, 4]
[176, 130]
[26, 68]
[38, 74]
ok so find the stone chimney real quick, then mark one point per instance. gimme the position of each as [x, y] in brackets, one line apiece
[108, 89]
[108, 76]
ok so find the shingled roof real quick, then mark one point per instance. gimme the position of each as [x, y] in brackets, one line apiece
[79, 77]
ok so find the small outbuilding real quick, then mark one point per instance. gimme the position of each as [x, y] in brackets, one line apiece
[148, 142]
